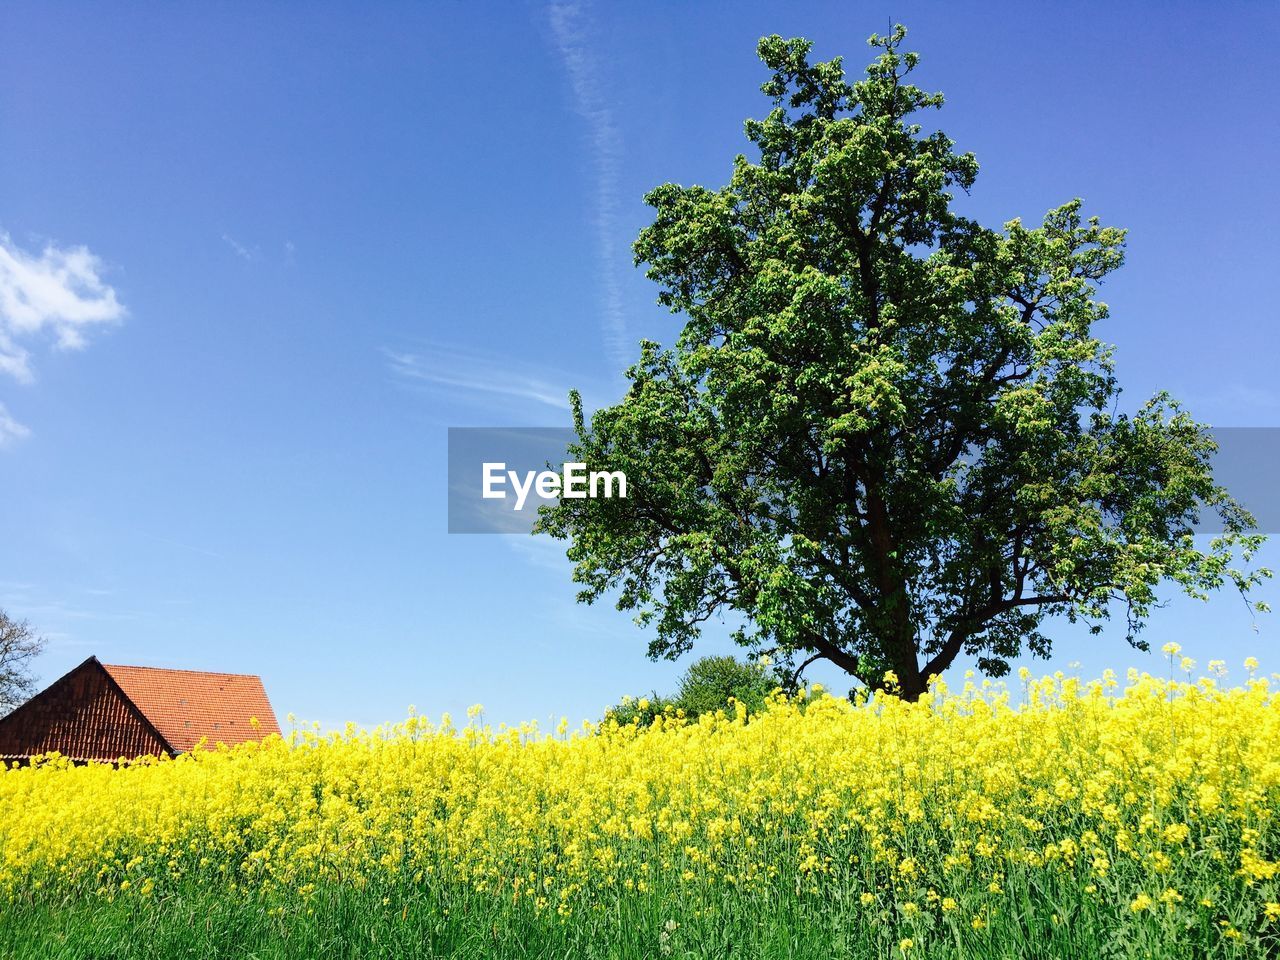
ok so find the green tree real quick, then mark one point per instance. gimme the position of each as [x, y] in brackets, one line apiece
[887, 434]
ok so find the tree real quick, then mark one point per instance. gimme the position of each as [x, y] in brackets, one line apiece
[19, 644]
[887, 434]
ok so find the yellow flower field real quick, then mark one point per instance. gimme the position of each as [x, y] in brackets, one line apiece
[1139, 816]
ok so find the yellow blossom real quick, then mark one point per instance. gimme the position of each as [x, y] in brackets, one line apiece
[1100, 791]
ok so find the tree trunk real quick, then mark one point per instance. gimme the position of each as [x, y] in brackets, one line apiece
[901, 652]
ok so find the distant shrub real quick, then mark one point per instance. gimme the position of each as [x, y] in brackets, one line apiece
[641, 710]
[712, 682]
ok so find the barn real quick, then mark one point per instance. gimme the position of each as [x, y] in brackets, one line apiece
[103, 711]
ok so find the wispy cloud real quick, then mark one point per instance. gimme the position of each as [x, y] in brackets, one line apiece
[570, 28]
[466, 373]
[58, 291]
[239, 249]
[542, 552]
[48, 612]
[10, 429]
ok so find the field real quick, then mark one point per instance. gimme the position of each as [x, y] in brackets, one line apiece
[1124, 817]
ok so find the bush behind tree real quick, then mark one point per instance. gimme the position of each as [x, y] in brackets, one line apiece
[710, 684]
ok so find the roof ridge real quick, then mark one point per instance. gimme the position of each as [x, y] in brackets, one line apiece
[206, 673]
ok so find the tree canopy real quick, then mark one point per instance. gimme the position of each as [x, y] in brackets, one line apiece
[887, 434]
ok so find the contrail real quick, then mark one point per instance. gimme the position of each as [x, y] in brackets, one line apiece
[569, 29]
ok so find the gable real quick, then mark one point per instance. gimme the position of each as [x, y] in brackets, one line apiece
[84, 716]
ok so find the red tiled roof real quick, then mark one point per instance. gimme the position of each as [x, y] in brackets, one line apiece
[186, 705]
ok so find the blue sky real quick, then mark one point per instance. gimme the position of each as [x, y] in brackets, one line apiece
[258, 258]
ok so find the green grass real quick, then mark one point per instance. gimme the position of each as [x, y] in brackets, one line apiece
[403, 922]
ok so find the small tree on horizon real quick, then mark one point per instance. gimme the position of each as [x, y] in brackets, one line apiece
[19, 645]
[707, 685]
[711, 682]
[887, 434]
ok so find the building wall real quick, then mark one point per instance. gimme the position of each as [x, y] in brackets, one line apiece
[82, 716]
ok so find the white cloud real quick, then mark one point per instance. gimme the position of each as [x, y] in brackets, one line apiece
[569, 27]
[58, 292]
[10, 429]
